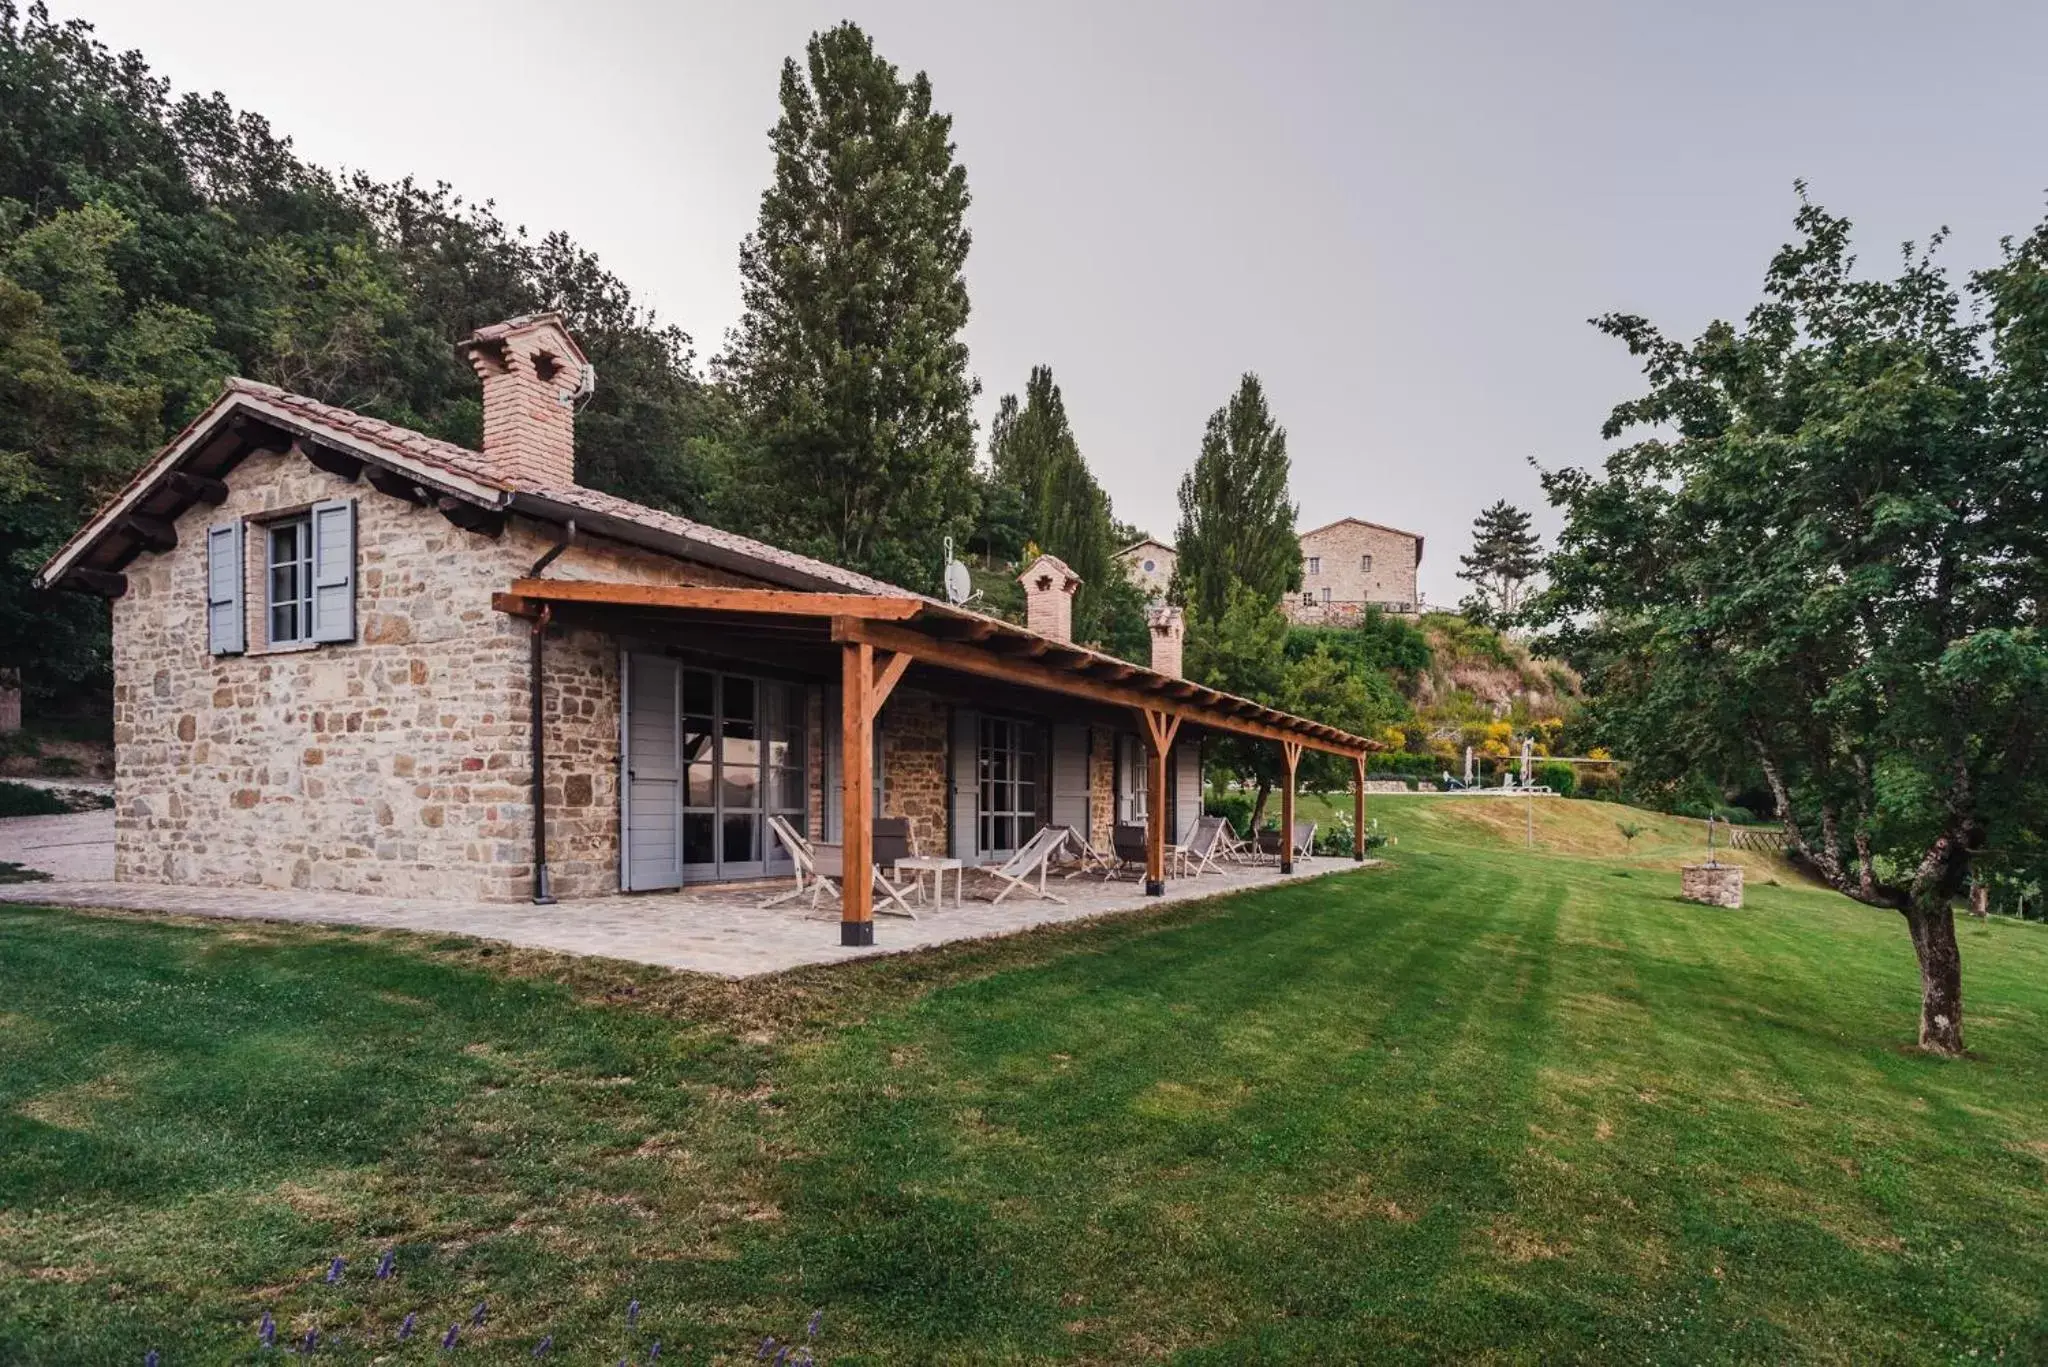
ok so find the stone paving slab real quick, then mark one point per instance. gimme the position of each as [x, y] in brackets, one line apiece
[75, 846]
[721, 932]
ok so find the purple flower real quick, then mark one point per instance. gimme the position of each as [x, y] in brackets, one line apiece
[540, 1350]
[311, 1341]
[452, 1337]
[767, 1346]
[632, 1313]
[782, 1355]
[334, 1270]
[817, 1323]
[387, 1265]
[654, 1353]
[151, 1358]
[266, 1332]
[476, 1316]
[405, 1328]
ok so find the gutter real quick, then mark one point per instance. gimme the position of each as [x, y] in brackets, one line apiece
[543, 886]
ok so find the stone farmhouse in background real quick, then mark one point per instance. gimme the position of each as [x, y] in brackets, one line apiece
[1347, 566]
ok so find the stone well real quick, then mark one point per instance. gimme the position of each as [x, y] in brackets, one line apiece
[1718, 885]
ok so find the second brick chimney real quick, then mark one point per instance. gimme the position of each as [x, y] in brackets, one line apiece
[533, 374]
[1169, 627]
[1049, 588]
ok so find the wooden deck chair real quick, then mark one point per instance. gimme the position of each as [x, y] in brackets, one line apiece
[894, 840]
[1036, 856]
[1234, 847]
[1204, 847]
[1304, 840]
[1088, 859]
[805, 857]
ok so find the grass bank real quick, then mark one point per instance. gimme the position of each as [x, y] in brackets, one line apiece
[1480, 1105]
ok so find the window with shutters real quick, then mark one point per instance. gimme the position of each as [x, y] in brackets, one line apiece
[289, 580]
[1315, 564]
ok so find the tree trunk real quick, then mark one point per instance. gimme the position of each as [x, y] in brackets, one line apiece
[1259, 810]
[1941, 976]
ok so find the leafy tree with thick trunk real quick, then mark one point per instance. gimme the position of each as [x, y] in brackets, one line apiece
[1505, 556]
[848, 358]
[1236, 519]
[1821, 565]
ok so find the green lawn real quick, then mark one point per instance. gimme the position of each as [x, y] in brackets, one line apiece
[1480, 1105]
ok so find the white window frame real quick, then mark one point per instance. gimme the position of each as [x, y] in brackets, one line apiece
[301, 568]
[1315, 564]
[1365, 563]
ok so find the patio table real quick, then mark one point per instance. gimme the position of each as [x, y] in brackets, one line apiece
[937, 866]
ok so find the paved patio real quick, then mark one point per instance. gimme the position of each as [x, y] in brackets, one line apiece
[718, 931]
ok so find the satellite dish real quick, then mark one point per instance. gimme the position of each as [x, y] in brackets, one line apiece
[959, 584]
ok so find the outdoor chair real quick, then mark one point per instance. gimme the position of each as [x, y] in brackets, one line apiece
[1304, 843]
[824, 866]
[1200, 852]
[893, 840]
[1127, 843]
[805, 856]
[1233, 847]
[1088, 859]
[1016, 872]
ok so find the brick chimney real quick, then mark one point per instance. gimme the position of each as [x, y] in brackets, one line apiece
[1169, 627]
[533, 375]
[1049, 587]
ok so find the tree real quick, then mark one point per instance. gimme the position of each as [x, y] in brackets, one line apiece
[151, 246]
[1236, 521]
[1037, 466]
[1823, 566]
[1250, 651]
[1505, 556]
[848, 359]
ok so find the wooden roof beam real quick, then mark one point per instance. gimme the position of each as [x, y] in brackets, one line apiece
[690, 597]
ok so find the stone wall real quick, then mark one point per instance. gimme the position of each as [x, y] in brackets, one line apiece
[1155, 581]
[1101, 788]
[916, 741]
[1339, 553]
[394, 764]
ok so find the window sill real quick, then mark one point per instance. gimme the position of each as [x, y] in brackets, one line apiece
[289, 648]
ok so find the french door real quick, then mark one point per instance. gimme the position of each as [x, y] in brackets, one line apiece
[710, 756]
[1006, 763]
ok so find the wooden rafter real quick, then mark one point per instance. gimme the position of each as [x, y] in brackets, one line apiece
[773, 602]
[969, 659]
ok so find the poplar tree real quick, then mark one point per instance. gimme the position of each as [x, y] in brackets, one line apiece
[848, 358]
[1236, 520]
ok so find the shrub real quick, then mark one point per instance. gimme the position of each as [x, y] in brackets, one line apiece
[19, 799]
[1557, 776]
[1234, 807]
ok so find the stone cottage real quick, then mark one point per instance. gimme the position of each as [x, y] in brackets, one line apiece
[349, 656]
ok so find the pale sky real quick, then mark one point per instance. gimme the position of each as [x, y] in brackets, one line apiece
[1400, 216]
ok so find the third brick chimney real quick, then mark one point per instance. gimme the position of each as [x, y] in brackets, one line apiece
[1169, 627]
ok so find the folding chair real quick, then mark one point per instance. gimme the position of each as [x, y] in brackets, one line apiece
[805, 857]
[1088, 859]
[1015, 872]
[1200, 853]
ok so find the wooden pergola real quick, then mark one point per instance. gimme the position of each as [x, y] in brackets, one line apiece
[878, 638]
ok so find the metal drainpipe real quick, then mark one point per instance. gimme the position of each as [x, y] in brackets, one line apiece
[543, 887]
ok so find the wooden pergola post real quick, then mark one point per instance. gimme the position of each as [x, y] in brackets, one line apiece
[1290, 751]
[866, 678]
[1160, 729]
[1358, 809]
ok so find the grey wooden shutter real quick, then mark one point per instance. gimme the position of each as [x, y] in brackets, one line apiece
[334, 570]
[1187, 789]
[224, 631]
[1070, 777]
[966, 833]
[654, 773]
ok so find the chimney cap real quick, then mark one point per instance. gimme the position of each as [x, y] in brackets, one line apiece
[1050, 566]
[493, 336]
